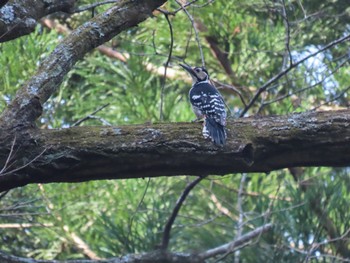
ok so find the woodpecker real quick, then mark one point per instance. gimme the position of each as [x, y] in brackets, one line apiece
[207, 103]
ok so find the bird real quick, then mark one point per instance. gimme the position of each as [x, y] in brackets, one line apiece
[208, 104]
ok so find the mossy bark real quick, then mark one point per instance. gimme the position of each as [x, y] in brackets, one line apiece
[256, 144]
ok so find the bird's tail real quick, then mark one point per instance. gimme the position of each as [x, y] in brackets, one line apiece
[215, 131]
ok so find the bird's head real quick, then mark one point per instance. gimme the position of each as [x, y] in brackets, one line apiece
[198, 74]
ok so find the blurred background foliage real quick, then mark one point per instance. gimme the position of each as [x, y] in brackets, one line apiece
[308, 206]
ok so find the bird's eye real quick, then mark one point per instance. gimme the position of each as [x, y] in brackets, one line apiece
[197, 70]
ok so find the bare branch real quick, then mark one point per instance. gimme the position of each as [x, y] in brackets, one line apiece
[287, 26]
[191, 3]
[226, 248]
[285, 71]
[325, 76]
[3, 194]
[90, 116]
[179, 202]
[92, 6]
[138, 206]
[195, 31]
[343, 247]
[5, 167]
[231, 88]
[241, 215]
[25, 165]
[341, 94]
[161, 117]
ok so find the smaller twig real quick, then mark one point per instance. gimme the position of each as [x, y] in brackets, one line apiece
[27, 164]
[161, 115]
[153, 42]
[185, 5]
[230, 87]
[92, 6]
[90, 116]
[287, 25]
[326, 75]
[285, 71]
[223, 249]
[195, 30]
[2, 195]
[104, 122]
[9, 31]
[8, 157]
[315, 246]
[138, 206]
[302, 8]
[241, 214]
[333, 99]
[179, 202]
[240, 224]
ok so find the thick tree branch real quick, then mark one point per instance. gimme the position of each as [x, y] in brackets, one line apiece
[260, 144]
[27, 105]
[19, 17]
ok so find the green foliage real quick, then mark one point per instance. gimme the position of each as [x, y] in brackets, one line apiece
[114, 218]
[20, 58]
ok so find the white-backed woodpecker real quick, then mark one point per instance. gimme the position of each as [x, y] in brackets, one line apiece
[208, 104]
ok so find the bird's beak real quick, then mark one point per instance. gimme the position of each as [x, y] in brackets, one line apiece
[188, 68]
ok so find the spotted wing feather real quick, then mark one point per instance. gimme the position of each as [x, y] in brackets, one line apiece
[208, 103]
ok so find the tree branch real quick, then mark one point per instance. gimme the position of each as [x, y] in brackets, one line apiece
[27, 105]
[19, 17]
[195, 31]
[157, 256]
[291, 66]
[151, 257]
[229, 247]
[163, 80]
[171, 220]
[260, 144]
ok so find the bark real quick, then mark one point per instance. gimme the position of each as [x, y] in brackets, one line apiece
[260, 144]
[19, 17]
[27, 105]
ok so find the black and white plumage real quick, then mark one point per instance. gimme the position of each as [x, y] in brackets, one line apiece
[207, 103]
